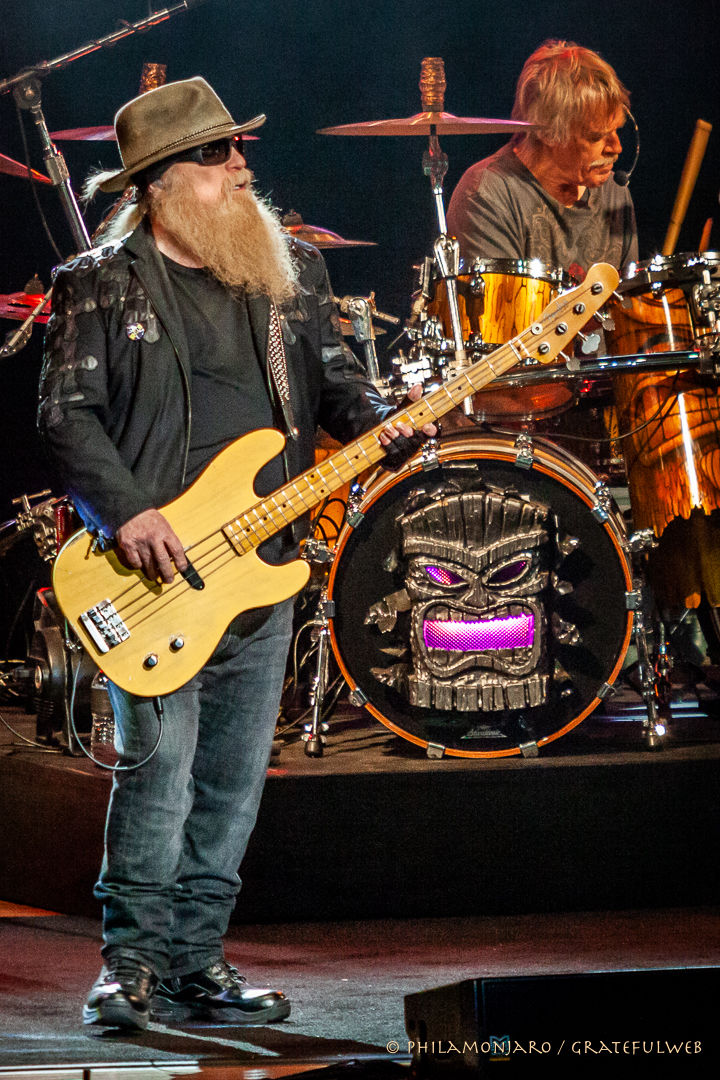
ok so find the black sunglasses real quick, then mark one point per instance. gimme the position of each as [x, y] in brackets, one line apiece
[213, 153]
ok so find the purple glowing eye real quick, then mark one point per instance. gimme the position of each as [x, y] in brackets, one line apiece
[510, 572]
[441, 576]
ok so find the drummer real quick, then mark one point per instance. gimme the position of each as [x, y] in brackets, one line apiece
[545, 195]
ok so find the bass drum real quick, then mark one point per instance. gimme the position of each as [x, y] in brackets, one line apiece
[480, 607]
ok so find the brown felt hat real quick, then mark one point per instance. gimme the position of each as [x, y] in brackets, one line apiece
[167, 120]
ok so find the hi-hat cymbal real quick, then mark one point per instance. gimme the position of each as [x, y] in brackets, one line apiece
[319, 238]
[444, 123]
[14, 168]
[104, 133]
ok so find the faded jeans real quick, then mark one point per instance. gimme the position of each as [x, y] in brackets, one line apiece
[177, 828]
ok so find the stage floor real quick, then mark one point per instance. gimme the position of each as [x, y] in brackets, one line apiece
[347, 982]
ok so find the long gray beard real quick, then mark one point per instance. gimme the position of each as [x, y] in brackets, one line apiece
[239, 239]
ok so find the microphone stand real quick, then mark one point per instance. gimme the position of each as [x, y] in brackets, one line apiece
[26, 89]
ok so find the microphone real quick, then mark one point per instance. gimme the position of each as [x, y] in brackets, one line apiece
[620, 176]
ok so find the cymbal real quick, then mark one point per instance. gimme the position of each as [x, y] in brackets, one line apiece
[319, 238]
[18, 305]
[347, 328]
[104, 133]
[14, 168]
[444, 123]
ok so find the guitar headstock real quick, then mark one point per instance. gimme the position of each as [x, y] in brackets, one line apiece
[565, 316]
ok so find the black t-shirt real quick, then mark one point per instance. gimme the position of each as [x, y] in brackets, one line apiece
[228, 392]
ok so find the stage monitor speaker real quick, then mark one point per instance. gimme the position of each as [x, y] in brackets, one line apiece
[568, 1025]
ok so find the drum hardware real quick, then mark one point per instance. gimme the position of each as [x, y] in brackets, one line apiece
[51, 522]
[361, 310]
[524, 451]
[429, 455]
[314, 735]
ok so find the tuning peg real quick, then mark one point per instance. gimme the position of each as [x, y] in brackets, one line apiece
[590, 342]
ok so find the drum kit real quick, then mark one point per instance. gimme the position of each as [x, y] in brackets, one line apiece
[481, 601]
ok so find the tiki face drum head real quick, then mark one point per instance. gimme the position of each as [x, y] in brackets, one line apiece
[480, 606]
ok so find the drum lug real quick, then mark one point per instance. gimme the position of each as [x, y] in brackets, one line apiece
[524, 451]
[429, 455]
[355, 515]
[529, 749]
[634, 599]
[357, 697]
[642, 540]
[435, 750]
[603, 503]
[317, 551]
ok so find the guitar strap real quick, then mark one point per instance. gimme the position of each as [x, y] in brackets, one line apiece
[277, 362]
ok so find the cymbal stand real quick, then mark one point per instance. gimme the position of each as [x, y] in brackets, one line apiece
[446, 248]
[649, 675]
[314, 735]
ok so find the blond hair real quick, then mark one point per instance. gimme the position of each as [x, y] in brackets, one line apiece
[562, 87]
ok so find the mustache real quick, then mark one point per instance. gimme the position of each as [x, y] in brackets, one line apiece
[607, 159]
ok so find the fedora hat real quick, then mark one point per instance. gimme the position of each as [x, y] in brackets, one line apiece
[167, 120]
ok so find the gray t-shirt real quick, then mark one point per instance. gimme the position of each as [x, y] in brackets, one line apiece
[500, 211]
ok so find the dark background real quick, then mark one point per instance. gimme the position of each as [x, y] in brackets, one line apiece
[323, 62]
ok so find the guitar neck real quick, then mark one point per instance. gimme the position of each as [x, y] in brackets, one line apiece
[543, 340]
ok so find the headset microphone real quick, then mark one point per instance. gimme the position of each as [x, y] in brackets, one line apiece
[620, 176]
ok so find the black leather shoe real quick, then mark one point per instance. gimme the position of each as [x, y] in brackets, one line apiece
[220, 993]
[121, 996]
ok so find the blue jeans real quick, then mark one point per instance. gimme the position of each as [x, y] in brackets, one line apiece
[177, 828]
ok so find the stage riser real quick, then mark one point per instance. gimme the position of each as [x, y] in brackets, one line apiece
[537, 838]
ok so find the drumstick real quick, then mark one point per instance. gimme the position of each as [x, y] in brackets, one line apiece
[705, 237]
[687, 183]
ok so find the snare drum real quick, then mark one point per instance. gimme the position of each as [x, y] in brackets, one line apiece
[480, 608]
[497, 300]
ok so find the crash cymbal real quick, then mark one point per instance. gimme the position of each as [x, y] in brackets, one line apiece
[19, 305]
[104, 133]
[319, 238]
[14, 168]
[444, 123]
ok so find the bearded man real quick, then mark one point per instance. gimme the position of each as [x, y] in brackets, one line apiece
[206, 323]
[545, 195]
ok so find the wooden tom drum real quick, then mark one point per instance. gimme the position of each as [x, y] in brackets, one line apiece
[498, 299]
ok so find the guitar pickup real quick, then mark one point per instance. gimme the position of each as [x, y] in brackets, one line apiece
[104, 626]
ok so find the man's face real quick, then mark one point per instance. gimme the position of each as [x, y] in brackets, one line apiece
[208, 181]
[587, 159]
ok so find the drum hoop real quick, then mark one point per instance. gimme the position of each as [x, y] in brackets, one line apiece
[576, 476]
[529, 268]
[660, 270]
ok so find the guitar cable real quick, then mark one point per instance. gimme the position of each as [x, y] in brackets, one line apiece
[157, 702]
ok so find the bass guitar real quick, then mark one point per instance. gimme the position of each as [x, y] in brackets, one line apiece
[151, 638]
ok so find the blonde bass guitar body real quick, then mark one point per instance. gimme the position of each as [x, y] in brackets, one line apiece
[186, 623]
[151, 638]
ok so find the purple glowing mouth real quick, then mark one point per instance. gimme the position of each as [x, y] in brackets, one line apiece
[512, 632]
